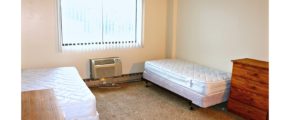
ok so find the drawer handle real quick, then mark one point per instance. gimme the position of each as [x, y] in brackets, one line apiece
[251, 99]
[252, 74]
[253, 87]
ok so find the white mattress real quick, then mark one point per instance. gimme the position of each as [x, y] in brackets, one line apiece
[203, 80]
[73, 96]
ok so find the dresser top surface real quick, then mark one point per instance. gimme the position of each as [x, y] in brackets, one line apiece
[40, 104]
[252, 62]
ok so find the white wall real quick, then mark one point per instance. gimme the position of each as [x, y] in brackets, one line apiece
[209, 32]
[171, 28]
[214, 32]
[39, 39]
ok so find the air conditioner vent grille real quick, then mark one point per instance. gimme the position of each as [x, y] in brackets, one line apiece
[105, 61]
[105, 67]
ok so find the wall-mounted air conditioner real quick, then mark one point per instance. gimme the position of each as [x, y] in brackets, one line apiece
[105, 67]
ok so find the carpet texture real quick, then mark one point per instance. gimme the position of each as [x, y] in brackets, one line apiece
[133, 101]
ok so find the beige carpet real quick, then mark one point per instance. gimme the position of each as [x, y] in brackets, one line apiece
[133, 101]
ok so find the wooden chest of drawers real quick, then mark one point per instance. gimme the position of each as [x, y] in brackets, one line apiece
[249, 89]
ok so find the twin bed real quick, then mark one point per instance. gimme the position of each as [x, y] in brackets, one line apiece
[202, 85]
[73, 96]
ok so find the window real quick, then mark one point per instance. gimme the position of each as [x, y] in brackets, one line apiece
[100, 24]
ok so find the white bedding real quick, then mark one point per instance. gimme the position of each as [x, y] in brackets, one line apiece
[203, 80]
[73, 96]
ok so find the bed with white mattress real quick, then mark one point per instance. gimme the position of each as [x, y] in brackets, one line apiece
[73, 96]
[202, 85]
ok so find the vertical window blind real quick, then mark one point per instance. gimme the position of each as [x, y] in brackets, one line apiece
[100, 24]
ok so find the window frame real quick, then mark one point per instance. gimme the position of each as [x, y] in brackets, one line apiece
[139, 30]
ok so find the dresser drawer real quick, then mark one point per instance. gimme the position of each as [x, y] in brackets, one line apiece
[251, 86]
[249, 98]
[253, 73]
[246, 111]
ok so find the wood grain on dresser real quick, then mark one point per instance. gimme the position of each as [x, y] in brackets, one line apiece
[250, 89]
[246, 111]
[40, 105]
[251, 86]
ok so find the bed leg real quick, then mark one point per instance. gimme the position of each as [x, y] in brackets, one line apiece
[147, 83]
[192, 106]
